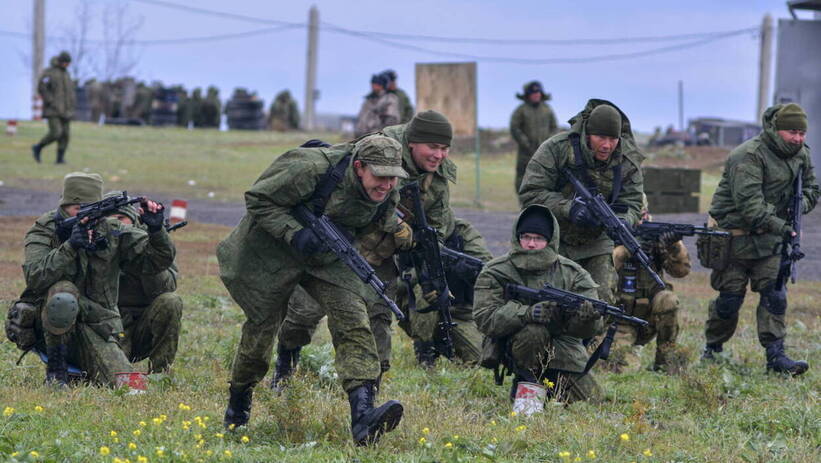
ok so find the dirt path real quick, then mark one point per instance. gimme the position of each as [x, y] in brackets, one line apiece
[494, 226]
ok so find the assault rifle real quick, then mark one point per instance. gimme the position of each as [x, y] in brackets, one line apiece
[791, 246]
[615, 228]
[566, 301]
[426, 259]
[169, 228]
[453, 259]
[94, 212]
[653, 230]
[336, 241]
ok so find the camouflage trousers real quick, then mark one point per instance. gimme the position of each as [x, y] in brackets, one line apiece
[153, 331]
[533, 355]
[603, 272]
[101, 358]
[58, 130]
[761, 274]
[305, 313]
[522, 158]
[356, 358]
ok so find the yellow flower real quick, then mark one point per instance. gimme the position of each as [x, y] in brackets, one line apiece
[184, 407]
[137, 432]
[448, 445]
[577, 458]
[227, 453]
[142, 423]
[14, 454]
[38, 409]
[425, 430]
[521, 428]
[163, 417]
[116, 440]
[219, 435]
[456, 437]
[513, 413]
[230, 426]
[207, 418]
[197, 436]
[422, 440]
[245, 439]
[142, 459]
[113, 434]
[118, 460]
[625, 437]
[549, 384]
[209, 452]
[200, 443]
[132, 446]
[564, 454]
[104, 450]
[493, 422]
[8, 411]
[34, 454]
[157, 421]
[647, 453]
[160, 452]
[591, 454]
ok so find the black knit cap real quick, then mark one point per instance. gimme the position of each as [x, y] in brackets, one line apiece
[380, 79]
[430, 127]
[534, 220]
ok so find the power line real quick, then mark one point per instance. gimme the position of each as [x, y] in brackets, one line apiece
[221, 14]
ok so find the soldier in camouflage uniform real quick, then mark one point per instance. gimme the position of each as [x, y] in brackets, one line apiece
[150, 309]
[405, 105]
[57, 91]
[608, 159]
[641, 297]
[269, 253]
[751, 203]
[76, 287]
[539, 343]
[531, 124]
[283, 114]
[380, 108]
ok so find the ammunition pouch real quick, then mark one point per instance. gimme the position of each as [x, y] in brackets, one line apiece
[20, 325]
[714, 251]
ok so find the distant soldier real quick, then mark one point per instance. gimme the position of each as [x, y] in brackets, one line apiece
[57, 91]
[195, 108]
[405, 105]
[751, 203]
[532, 123]
[600, 149]
[380, 108]
[283, 114]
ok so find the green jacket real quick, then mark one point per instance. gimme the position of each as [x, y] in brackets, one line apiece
[259, 247]
[57, 91]
[138, 289]
[96, 274]
[405, 105]
[283, 114]
[544, 184]
[433, 185]
[500, 318]
[531, 125]
[756, 187]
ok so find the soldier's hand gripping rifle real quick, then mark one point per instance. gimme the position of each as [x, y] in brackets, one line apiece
[452, 259]
[653, 230]
[566, 301]
[94, 212]
[426, 259]
[336, 241]
[615, 228]
[791, 246]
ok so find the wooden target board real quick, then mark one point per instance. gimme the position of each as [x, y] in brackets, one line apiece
[449, 88]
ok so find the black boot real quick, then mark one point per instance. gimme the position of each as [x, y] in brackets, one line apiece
[61, 157]
[368, 423]
[709, 352]
[57, 366]
[239, 407]
[778, 361]
[35, 151]
[426, 353]
[287, 360]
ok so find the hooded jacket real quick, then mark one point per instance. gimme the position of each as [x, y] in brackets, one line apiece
[378, 110]
[57, 91]
[500, 318]
[544, 184]
[532, 124]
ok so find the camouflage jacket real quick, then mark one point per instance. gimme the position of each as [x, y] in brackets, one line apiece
[378, 110]
[675, 261]
[96, 274]
[284, 114]
[405, 105]
[500, 318]
[544, 184]
[531, 125]
[57, 91]
[756, 187]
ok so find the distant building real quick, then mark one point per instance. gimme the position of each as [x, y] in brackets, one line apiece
[722, 132]
[325, 122]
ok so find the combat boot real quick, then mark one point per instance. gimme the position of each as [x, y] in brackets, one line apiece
[368, 423]
[710, 351]
[287, 360]
[57, 365]
[61, 157]
[426, 353]
[239, 407]
[778, 361]
[35, 151]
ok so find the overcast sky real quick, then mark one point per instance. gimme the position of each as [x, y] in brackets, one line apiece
[720, 77]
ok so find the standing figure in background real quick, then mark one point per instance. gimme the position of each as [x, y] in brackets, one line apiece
[57, 91]
[380, 108]
[532, 123]
[283, 114]
[405, 105]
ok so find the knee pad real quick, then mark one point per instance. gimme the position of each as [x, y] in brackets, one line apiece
[728, 305]
[60, 313]
[774, 301]
[665, 302]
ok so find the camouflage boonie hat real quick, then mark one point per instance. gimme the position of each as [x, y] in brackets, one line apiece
[81, 188]
[382, 155]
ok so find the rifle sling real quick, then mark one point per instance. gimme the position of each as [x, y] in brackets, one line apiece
[327, 183]
[580, 169]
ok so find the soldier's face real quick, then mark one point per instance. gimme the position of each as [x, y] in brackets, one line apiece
[532, 241]
[376, 187]
[124, 219]
[377, 88]
[793, 137]
[535, 97]
[428, 156]
[602, 146]
[71, 209]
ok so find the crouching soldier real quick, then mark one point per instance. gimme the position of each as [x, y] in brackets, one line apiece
[539, 343]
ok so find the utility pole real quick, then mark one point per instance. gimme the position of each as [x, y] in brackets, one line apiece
[38, 43]
[681, 105]
[764, 66]
[310, 68]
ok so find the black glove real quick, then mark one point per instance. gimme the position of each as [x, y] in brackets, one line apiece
[541, 312]
[79, 237]
[580, 215]
[307, 243]
[153, 220]
[668, 239]
[462, 270]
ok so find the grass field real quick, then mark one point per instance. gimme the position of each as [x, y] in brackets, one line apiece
[730, 412]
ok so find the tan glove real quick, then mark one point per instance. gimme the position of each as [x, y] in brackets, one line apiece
[588, 313]
[403, 237]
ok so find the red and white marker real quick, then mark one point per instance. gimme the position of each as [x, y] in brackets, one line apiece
[11, 127]
[179, 208]
[36, 108]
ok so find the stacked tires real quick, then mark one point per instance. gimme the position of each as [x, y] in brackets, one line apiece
[164, 107]
[82, 106]
[245, 111]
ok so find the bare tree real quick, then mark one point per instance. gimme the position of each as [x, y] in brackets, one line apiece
[118, 56]
[77, 41]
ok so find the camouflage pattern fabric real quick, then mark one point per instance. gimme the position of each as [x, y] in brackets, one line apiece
[378, 110]
[530, 126]
[405, 106]
[283, 114]
[57, 91]
[153, 332]
[58, 130]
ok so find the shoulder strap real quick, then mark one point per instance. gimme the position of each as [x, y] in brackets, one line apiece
[327, 183]
[580, 168]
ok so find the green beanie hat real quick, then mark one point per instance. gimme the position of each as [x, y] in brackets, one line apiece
[430, 127]
[791, 117]
[605, 121]
[129, 210]
[81, 188]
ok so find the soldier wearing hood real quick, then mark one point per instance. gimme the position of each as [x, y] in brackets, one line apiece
[531, 124]
[541, 344]
[283, 114]
[380, 108]
[751, 203]
[601, 150]
[57, 91]
[405, 105]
